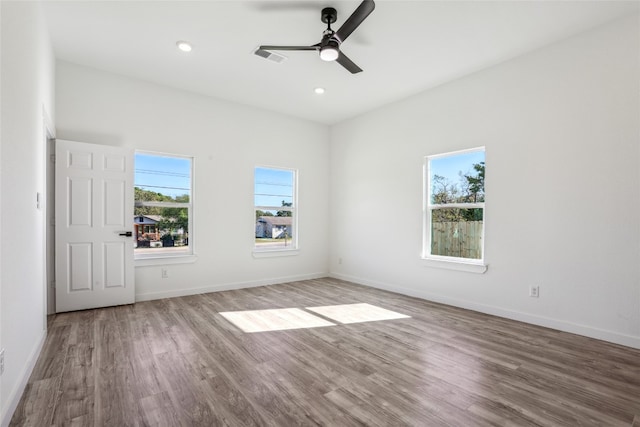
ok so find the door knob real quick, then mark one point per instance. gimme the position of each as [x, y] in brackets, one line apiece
[126, 233]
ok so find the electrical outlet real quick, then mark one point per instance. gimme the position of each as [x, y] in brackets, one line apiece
[534, 291]
[1, 361]
[165, 273]
[339, 260]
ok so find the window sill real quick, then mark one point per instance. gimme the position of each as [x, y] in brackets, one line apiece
[165, 260]
[469, 267]
[275, 253]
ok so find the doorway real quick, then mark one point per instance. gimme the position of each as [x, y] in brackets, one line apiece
[50, 220]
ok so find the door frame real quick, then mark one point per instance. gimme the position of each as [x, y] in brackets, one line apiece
[47, 203]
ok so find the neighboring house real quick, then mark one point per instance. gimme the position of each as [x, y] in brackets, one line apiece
[146, 228]
[274, 227]
[148, 233]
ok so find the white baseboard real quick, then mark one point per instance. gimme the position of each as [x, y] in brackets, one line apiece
[16, 393]
[148, 296]
[561, 325]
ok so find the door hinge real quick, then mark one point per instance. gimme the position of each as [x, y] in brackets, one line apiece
[52, 158]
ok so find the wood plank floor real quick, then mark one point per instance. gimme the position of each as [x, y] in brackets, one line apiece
[178, 362]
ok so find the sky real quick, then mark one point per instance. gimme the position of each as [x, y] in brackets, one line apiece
[272, 186]
[450, 166]
[170, 176]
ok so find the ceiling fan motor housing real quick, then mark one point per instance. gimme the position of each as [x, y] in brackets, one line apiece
[329, 15]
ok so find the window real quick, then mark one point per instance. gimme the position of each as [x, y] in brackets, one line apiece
[162, 221]
[454, 206]
[275, 209]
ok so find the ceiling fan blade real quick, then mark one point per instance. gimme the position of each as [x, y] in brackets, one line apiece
[315, 47]
[356, 18]
[348, 64]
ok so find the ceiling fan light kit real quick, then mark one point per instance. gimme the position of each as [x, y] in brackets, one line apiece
[329, 46]
[330, 51]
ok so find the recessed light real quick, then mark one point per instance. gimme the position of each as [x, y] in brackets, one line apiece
[319, 90]
[184, 46]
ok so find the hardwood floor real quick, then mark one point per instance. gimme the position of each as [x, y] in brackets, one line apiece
[178, 362]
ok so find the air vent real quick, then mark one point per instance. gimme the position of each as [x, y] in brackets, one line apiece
[273, 57]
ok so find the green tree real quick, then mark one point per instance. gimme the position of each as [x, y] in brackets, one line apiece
[475, 192]
[171, 219]
[475, 184]
[285, 213]
[470, 189]
[260, 213]
[174, 219]
[148, 196]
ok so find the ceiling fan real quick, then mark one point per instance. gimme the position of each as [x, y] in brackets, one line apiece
[329, 46]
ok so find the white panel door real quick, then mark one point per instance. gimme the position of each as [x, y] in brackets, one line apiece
[94, 214]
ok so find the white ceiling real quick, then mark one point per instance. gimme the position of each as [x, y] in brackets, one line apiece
[404, 47]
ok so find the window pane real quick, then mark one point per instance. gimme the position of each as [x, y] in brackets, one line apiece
[458, 178]
[457, 232]
[162, 230]
[165, 231]
[273, 187]
[162, 178]
[274, 231]
[274, 198]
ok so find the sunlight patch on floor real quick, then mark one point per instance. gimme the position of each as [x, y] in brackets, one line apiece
[356, 313]
[274, 319]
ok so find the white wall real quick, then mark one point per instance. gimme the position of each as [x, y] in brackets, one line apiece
[561, 130]
[27, 91]
[228, 140]
[1, 347]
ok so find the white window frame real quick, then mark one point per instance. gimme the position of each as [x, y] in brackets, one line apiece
[188, 255]
[279, 251]
[441, 261]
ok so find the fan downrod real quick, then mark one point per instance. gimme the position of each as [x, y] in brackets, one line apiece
[329, 15]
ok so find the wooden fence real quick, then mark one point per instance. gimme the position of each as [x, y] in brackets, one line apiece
[457, 239]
